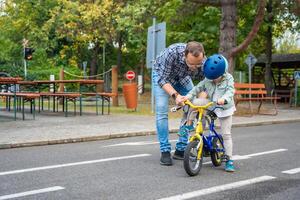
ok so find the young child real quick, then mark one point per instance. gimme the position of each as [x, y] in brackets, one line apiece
[218, 86]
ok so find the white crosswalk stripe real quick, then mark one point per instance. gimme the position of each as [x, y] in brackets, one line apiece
[32, 192]
[219, 188]
[71, 164]
[292, 171]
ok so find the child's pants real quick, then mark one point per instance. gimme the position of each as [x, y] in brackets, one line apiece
[226, 123]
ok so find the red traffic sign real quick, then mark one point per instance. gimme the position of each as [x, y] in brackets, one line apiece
[130, 75]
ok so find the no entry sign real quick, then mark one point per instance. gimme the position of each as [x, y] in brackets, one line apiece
[130, 75]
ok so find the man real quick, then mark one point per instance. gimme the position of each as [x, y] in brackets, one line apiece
[172, 73]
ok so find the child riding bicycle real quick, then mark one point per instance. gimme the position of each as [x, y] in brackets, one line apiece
[218, 86]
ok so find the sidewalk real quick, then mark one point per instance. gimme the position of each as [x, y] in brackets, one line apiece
[49, 129]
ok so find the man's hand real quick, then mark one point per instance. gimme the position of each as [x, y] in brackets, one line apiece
[180, 99]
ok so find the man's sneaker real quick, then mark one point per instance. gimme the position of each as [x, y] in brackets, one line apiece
[165, 158]
[178, 155]
[229, 167]
[185, 129]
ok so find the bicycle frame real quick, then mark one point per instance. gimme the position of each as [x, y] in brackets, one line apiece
[206, 144]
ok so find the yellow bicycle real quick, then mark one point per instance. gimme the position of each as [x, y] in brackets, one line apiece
[203, 145]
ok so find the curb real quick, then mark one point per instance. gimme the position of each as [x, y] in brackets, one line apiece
[124, 135]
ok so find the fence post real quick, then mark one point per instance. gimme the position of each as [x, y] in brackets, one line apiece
[61, 87]
[114, 85]
[61, 77]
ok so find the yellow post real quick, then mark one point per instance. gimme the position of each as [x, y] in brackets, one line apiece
[114, 85]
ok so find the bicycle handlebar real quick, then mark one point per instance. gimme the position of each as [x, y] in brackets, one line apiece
[189, 103]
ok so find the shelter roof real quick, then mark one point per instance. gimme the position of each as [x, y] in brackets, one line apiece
[286, 61]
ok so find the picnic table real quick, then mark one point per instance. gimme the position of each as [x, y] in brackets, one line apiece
[25, 97]
[105, 96]
[37, 92]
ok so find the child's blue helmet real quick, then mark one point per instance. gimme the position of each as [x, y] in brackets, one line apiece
[215, 66]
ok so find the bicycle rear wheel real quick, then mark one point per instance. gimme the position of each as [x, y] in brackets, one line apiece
[191, 164]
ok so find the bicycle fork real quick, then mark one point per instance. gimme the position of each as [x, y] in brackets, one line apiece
[199, 148]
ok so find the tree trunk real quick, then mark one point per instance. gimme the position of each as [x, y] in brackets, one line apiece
[228, 30]
[268, 71]
[228, 27]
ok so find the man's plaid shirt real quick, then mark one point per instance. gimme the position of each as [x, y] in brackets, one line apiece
[171, 67]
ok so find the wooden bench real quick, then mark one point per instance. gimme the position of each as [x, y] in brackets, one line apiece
[254, 92]
[66, 97]
[105, 96]
[25, 97]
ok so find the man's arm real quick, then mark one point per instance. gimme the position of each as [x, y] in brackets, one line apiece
[169, 89]
[178, 98]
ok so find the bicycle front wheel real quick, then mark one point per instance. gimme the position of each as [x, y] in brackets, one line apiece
[191, 163]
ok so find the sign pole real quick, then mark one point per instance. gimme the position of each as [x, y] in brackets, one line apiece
[84, 63]
[156, 42]
[296, 78]
[25, 67]
[153, 59]
[103, 59]
[296, 92]
[250, 61]
[25, 44]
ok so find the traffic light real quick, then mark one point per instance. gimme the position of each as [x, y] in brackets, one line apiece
[28, 53]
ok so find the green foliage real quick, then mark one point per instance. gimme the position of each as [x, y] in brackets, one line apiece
[288, 44]
[65, 33]
[187, 22]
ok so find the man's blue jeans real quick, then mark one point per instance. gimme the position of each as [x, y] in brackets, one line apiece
[162, 109]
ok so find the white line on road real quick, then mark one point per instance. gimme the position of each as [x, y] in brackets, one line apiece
[219, 188]
[71, 164]
[266, 152]
[135, 143]
[292, 171]
[238, 157]
[32, 192]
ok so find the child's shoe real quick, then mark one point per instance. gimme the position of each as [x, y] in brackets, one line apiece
[185, 129]
[229, 167]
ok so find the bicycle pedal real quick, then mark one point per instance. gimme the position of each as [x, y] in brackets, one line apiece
[206, 153]
[224, 158]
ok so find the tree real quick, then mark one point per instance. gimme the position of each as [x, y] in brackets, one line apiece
[187, 22]
[228, 28]
[85, 24]
[288, 43]
[280, 17]
[23, 19]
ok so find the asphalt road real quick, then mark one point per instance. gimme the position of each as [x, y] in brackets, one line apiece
[268, 167]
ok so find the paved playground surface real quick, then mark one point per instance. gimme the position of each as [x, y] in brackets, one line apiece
[54, 128]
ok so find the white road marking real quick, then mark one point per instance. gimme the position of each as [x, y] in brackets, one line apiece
[292, 171]
[32, 192]
[266, 152]
[135, 143]
[71, 164]
[238, 157]
[219, 188]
